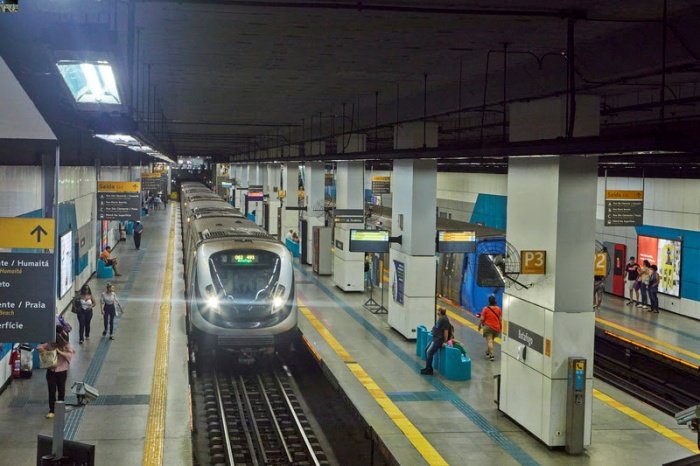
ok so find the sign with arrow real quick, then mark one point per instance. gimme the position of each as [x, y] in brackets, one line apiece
[30, 233]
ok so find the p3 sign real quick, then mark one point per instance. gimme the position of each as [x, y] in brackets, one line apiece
[533, 262]
[600, 266]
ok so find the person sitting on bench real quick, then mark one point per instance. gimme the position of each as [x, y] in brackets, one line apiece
[110, 261]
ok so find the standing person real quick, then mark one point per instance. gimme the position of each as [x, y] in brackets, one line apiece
[643, 278]
[598, 288]
[138, 230]
[632, 269]
[441, 334]
[654, 279]
[56, 376]
[87, 303]
[491, 323]
[109, 302]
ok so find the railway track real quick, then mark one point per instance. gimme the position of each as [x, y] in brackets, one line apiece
[256, 419]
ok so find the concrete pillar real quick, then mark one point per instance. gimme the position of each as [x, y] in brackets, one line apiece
[551, 207]
[348, 267]
[315, 197]
[412, 263]
[271, 187]
[290, 203]
[242, 187]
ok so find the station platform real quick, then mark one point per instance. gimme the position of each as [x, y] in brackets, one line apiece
[667, 332]
[137, 406]
[430, 420]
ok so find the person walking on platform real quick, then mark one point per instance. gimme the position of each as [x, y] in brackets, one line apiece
[643, 278]
[632, 270]
[491, 323]
[441, 334]
[87, 303]
[654, 279]
[109, 303]
[138, 230]
[56, 376]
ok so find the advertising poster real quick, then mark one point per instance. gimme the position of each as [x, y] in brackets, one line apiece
[397, 288]
[666, 254]
[66, 270]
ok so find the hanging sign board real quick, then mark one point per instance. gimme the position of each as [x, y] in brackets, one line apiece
[27, 311]
[624, 208]
[456, 241]
[151, 182]
[369, 241]
[349, 216]
[118, 200]
[30, 233]
[381, 184]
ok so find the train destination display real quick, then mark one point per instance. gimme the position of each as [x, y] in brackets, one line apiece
[456, 241]
[369, 241]
[26, 310]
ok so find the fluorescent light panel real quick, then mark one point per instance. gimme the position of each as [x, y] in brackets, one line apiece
[134, 144]
[90, 82]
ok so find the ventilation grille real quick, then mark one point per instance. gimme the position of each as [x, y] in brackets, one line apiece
[238, 233]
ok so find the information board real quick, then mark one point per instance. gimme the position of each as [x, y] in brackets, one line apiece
[456, 241]
[349, 216]
[27, 301]
[624, 208]
[153, 181]
[398, 284]
[369, 241]
[381, 184]
[118, 200]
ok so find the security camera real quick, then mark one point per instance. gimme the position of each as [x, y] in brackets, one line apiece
[84, 392]
[689, 415]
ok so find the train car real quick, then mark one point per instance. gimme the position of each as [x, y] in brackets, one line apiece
[240, 287]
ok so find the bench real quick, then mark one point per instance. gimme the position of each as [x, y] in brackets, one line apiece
[450, 362]
[104, 270]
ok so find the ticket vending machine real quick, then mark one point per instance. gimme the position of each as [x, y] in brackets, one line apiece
[575, 405]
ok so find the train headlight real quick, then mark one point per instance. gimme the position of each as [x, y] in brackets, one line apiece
[278, 298]
[213, 302]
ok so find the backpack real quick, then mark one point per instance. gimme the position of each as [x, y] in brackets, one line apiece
[65, 326]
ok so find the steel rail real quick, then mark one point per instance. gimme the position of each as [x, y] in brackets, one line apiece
[300, 428]
[224, 425]
[273, 417]
[244, 426]
[253, 420]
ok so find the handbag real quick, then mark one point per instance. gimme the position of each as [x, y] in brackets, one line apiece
[48, 359]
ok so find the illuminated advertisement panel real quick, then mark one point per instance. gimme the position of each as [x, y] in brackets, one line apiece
[66, 268]
[666, 254]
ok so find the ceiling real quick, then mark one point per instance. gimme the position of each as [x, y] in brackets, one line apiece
[220, 78]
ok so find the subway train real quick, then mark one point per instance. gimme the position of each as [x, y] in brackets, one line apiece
[239, 279]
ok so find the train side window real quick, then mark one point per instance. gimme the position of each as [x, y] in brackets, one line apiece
[487, 273]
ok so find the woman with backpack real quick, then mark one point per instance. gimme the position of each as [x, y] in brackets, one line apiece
[491, 323]
[56, 375]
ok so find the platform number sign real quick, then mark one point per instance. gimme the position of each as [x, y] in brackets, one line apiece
[533, 262]
[601, 264]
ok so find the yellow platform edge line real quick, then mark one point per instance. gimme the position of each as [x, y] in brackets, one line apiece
[648, 338]
[420, 443]
[610, 401]
[155, 424]
[650, 423]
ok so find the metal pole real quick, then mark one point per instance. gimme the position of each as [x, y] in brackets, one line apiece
[505, 83]
[483, 104]
[459, 104]
[148, 99]
[425, 107]
[570, 52]
[342, 136]
[58, 427]
[397, 103]
[376, 118]
[662, 108]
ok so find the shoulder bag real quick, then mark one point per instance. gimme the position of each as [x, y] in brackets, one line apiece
[48, 359]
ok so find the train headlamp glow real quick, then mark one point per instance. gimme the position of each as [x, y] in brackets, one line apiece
[213, 302]
[278, 298]
[277, 302]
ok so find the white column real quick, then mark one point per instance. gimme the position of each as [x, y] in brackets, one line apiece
[271, 187]
[242, 187]
[290, 184]
[348, 267]
[315, 196]
[551, 207]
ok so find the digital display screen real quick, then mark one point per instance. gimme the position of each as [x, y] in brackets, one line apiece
[66, 270]
[245, 259]
[666, 254]
[456, 241]
[369, 241]
[255, 196]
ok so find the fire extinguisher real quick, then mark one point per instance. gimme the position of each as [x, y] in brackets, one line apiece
[15, 362]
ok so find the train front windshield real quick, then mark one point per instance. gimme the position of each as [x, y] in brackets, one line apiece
[246, 281]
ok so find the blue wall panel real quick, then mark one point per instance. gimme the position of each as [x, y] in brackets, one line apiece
[690, 259]
[490, 210]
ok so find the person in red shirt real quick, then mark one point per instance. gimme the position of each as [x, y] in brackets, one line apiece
[491, 323]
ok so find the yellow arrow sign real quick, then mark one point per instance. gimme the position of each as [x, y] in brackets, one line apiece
[35, 233]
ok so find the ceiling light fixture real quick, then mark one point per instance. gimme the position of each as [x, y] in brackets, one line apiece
[133, 143]
[90, 82]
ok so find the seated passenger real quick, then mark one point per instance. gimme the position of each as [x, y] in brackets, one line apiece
[110, 261]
